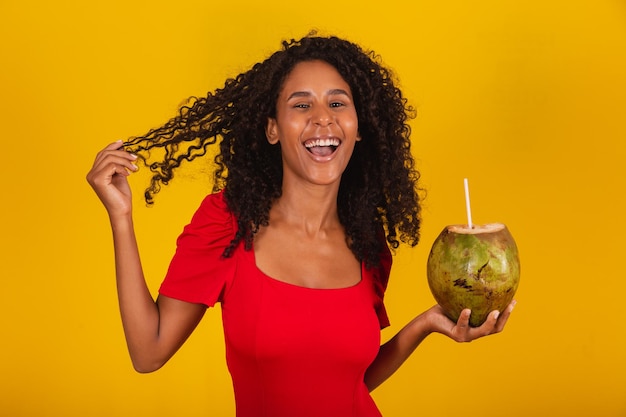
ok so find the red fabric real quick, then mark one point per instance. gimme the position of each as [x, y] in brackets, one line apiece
[291, 351]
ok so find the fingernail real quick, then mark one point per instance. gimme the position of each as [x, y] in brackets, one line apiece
[135, 167]
[133, 156]
[496, 314]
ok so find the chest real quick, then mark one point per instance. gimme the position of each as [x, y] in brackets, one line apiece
[270, 323]
[321, 263]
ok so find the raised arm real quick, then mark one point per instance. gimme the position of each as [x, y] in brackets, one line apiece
[154, 330]
[393, 353]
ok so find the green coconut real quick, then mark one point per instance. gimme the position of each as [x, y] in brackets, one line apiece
[476, 268]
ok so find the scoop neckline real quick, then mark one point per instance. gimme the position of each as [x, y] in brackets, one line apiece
[252, 259]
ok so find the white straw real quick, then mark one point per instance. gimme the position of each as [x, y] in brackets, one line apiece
[467, 204]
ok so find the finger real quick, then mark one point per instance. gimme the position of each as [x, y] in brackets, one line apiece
[107, 174]
[486, 328]
[461, 331]
[463, 320]
[504, 317]
[121, 158]
[490, 323]
[115, 148]
[118, 144]
[118, 158]
[102, 174]
[120, 170]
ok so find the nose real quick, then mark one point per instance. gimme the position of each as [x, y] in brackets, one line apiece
[322, 116]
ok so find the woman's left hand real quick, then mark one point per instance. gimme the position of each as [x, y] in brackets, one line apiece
[461, 331]
[397, 349]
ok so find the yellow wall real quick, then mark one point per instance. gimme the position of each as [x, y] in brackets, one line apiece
[527, 99]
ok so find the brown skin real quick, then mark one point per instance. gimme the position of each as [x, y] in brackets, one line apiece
[304, 225]
[304, 222]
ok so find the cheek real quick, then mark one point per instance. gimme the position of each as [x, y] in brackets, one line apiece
[351, 126]
[293, 126]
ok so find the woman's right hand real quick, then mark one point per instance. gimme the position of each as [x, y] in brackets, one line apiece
[108, 178]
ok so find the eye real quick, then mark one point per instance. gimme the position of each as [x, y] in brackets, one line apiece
[301, 106]
[336, 104]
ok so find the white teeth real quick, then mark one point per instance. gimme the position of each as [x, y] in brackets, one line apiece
[321, 142]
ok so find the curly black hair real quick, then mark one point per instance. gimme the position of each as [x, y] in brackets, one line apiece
[378, 191]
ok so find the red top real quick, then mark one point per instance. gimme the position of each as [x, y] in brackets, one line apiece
[291, 351]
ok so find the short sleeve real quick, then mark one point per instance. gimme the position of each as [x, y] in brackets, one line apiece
[198, 273]
[380, 276]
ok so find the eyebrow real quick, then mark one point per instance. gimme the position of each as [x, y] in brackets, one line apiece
[333, 92]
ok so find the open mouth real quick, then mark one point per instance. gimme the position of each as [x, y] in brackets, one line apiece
[322, 147]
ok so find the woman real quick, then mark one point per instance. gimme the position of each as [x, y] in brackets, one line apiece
[315, 180]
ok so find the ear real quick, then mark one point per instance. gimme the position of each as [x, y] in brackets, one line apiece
[358, 137]
[271, 131]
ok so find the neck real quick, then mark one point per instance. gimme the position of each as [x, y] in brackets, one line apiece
[312, 208]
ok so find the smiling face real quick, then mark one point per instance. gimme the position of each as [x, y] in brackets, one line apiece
[316, 124]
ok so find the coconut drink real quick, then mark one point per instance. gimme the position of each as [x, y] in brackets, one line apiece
[473, 266]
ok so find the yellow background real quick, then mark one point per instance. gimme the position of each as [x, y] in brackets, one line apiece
[525, 98]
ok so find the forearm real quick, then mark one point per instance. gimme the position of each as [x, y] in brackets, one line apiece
[139, 313]
[153, 330]
[393, 353]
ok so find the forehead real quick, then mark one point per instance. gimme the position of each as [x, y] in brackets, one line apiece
[313, 75]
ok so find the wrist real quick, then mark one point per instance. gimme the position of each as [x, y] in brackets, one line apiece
[424, 324]
[121, 222]
[435, 321]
